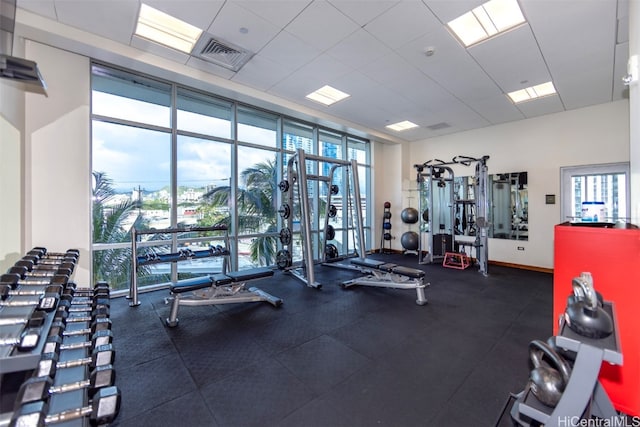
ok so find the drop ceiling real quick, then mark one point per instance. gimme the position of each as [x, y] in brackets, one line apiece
[375, 50]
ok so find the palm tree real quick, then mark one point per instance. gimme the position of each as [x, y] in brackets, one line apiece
[110, 226]
[255, 206]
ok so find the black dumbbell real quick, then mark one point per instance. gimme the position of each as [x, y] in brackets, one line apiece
[99, 288]
[100, 356]
[42, 253]
[31, 266]
[44, 302]
[59, 327]
[104, 409]
[27, 273]
[40, 388]
[99, 338]
[14, 280]
[36, 320]
[27, 341]
[6, 291]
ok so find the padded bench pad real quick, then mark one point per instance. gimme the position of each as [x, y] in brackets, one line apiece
[250, 274]
[414, 273]
[371, 263]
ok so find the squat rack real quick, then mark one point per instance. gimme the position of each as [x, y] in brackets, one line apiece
[296, 183]
[439, 173]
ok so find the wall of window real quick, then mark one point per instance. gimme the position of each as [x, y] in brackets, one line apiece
[166, 156]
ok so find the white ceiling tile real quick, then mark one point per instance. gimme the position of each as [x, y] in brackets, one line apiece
[402, 23]
[100, 17]
[358, 49]
[450, 66]
[232, 18]
[288, 50]
[362, 15]
[41, 7]
[261, 73]
[321, 25]
[512, 59]
[278, 12]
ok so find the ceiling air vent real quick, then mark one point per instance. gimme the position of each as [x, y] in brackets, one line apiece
[220, 52]
[438, 126]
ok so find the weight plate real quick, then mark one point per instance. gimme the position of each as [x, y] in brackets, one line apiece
[333, 211]
[331, 251]
[283, 259]
[335, 189]
[285, 236]
[284, 186]
[285, 211]
[331, 232]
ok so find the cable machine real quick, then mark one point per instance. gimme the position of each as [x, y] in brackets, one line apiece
[297, 191]
[437, 204]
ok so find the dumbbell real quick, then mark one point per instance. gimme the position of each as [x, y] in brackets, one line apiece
[88, 296]
[14, 280]
[36, 320]
[39, 273]
[42, 253]
[59, 327]
[98, 288]
[100, 356]
[6, 291]
[104, 409]
[45, 302]
[31, 266]
[27, 341]
[40, 388]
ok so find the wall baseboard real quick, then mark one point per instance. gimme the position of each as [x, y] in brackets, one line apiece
[522, 267]
[500, 263]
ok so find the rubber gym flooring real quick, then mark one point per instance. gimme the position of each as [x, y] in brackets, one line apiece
[331, 357]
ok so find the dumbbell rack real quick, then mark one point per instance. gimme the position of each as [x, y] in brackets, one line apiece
[72, 310]
[583, 396]
[138, 261]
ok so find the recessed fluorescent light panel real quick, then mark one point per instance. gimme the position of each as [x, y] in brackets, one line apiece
[487, 20]
[400, 126]
[161, 28]
[532, 92]
[327, 95]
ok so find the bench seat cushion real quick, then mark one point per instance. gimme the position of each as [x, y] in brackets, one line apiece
[250, 274]
[371, 263]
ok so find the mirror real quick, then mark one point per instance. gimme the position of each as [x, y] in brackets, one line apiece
[465, 206]
[509, 213]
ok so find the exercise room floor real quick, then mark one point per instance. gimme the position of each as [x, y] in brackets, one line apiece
[331, 357]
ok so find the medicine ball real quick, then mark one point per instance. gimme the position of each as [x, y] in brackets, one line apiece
[387, 236]
[409, 240]
[409, 215]
[548, 378]
[387, 205]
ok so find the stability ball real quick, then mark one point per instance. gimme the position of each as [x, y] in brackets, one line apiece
[409, 240]
[409, 215]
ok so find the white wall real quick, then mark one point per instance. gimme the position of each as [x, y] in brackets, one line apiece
[386, 173]
[539, 146]
[57, 155]
[11, 170]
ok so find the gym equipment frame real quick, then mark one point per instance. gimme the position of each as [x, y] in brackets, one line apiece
[438, 175]
[296, 183]
[137, 261]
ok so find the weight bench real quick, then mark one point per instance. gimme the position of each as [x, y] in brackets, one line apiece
[387, 275]
[223, 288]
